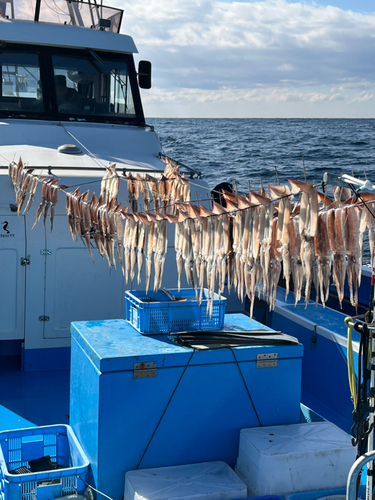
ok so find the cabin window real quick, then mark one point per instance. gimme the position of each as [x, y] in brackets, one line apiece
[93, 85]
[20, 82]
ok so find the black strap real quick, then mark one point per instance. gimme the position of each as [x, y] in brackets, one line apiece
[203, 340]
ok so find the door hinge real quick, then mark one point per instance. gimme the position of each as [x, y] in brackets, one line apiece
[267, 360]
[25, 261]
[43, 318]
[145, 370]
[44, 251]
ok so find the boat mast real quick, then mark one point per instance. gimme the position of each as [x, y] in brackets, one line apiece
[37, 10]
[3, 8]
[75, 15]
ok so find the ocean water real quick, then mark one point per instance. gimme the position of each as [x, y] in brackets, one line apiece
[250, 151]
[245, 149]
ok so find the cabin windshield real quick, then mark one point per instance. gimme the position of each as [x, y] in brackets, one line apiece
[20, 78]
[92, 85]
[69, 84]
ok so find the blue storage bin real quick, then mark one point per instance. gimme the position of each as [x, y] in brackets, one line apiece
[19, 446]
[156, 313]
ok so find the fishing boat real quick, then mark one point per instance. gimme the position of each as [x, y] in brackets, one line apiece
[73, 137]
[131, 408]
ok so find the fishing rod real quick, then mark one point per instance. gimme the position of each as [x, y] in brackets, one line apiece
[366, 402]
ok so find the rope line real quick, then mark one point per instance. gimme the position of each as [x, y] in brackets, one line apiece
[171, 204]
[247, 389]
[92, 487]
[165, 410]
[94, 157]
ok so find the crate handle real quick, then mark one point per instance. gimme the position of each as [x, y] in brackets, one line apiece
[168, 294]
[33, 438]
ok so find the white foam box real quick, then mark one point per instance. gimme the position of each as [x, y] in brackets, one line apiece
[204, 481]
[285, 459]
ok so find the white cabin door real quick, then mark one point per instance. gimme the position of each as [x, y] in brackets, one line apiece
[77, 289]
[12, 275]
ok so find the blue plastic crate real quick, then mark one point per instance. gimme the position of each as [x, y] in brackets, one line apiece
[163, 315]
[19, 446]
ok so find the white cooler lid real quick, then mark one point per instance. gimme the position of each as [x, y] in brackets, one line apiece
[295, 438]
[204, 481]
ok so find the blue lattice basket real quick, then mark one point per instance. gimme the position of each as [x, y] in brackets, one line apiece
[156, 313]
[20, 446]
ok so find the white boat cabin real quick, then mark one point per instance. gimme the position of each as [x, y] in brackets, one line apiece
[64, 85]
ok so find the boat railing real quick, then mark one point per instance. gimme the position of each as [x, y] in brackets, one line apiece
[357, 319]
[93, 14]
[86, 13]
[61, 168]
[351, 485]
[50, 169]
[191, 171]
[345, 180]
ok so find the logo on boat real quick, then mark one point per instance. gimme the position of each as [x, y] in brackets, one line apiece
[7, 234]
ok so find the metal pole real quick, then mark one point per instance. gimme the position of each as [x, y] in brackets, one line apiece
[37, 10]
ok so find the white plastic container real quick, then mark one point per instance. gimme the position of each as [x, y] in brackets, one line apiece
[72, 497]
[204, 481]
[285, 459]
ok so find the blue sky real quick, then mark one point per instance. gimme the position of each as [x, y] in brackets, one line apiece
[356, 6]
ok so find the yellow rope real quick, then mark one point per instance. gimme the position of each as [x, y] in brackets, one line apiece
[351, 369]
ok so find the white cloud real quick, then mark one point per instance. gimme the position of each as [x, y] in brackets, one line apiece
[363, 96]
[209, 45]
[261, 102]
[316, 97]
[299, 54]
[336, 97]
[285, 67]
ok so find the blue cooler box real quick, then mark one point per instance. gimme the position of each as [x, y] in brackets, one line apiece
[142, 401]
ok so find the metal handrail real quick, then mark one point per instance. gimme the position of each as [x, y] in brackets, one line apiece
[351, 485]
[346, 180]
[49, 168]
[191, 170]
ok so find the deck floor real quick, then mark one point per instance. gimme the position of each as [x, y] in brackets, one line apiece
[29, 399]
